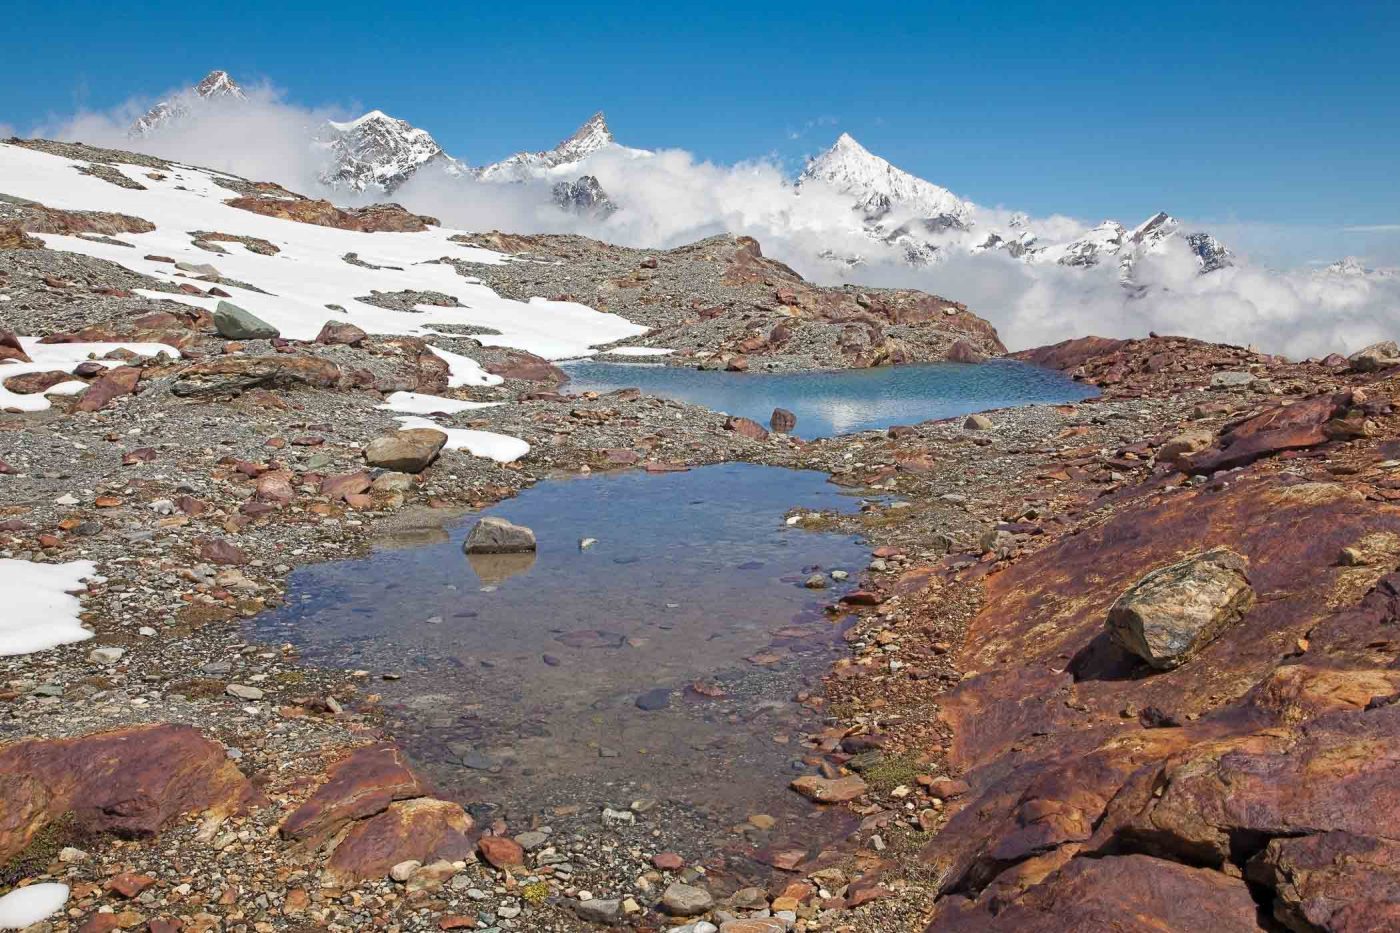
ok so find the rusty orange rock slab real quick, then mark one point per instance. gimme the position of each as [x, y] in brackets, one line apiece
[130, 782]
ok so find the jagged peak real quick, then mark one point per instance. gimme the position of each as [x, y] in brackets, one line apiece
[218, 83]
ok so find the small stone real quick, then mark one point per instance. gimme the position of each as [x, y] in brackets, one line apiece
[599, 910]
[815, 582]
[668, 861]
[653, 700]
[500, 851]
[404, 870]
[829, 790]
[532, 840]
[105, 655]
[684, 900]
[244, 692]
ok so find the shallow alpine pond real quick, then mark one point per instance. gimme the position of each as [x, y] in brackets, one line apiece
[843, 401]
[661, 660]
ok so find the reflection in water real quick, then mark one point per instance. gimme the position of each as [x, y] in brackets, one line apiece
[493, 569]
[841, 401]
[667, 653]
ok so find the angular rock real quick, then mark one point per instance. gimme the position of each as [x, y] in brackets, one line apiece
[493, 535]
[1375, 357]
[684, 900]
[130, 782]
[978, 423]
[745, 427]
[340, 332]
[234, 323]
[407, 451]
[233, 375]
[829, 790]
[112, 384]
[1174, 611]
[1331, 881]
[599, 910]
[500, 851]
[360, 785]
[422, 829]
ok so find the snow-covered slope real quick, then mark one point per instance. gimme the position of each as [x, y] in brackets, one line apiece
[216, 86]
[380, 152]
[308, 274]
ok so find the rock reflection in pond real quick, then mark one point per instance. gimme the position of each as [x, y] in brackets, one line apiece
[493, 569]
[662, 659]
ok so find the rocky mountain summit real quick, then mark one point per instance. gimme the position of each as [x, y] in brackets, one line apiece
[927, 222]
[379, 152]
[593, 136]
[217, 86]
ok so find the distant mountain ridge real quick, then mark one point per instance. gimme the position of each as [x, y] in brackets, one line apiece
[922, 221]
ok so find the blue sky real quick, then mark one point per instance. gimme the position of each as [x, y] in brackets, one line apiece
[1276, 113]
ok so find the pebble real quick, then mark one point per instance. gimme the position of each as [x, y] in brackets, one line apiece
[244, 692]
[105, 655]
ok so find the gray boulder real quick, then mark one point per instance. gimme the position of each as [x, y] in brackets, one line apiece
[492, 535]
[233, 323]
[1174, 611]
[408, 451]
[599, 910]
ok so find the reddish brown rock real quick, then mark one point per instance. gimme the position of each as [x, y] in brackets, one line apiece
[782, 421]
[341, 332]
[112, 384]
[275, 487]
[829, 790]
[12, 236]
[1070, 354]
[129, 883]
[372, 219]
[1285, 427]
[29, 383]
[745, 427]
[500, 851]
[963, 352]
[131, 782]
[1126, 894]
[422, 829]
[518, 364]
[343, 485]
[219, 551]
[360, 785]
[233, 375]
[1332, 881]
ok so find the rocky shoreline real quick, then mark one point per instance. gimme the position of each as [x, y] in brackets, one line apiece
[995, 753]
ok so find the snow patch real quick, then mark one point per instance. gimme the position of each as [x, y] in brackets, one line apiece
[499, 447]
[26, 906]
[638, 351]
[419, 403]
[64, 356]
[40, 610]
[308, 273]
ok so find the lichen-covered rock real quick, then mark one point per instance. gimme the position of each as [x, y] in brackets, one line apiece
[493, 535]
[1173, 612]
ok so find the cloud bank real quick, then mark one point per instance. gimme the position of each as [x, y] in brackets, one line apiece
[672, 198]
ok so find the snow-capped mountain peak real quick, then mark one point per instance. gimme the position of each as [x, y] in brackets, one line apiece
[216, 85]
[881, 190]
[593, 136]
[377, 150]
